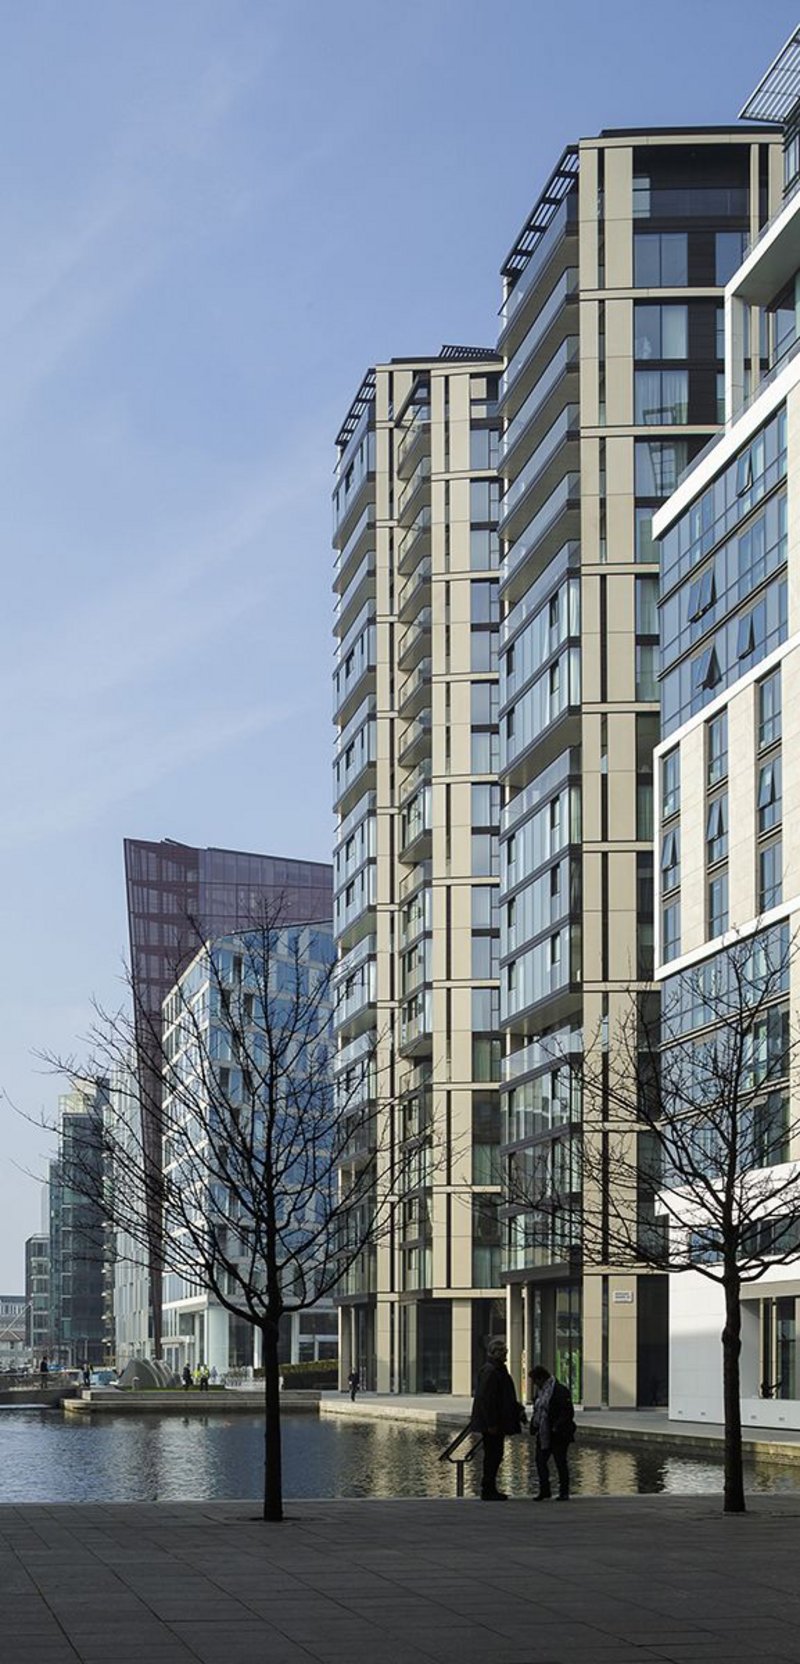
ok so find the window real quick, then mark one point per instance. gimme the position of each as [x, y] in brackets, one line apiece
[647, 671]
[670, 861]
[671, 931]
[647, 606]
[670, 784]
[702, 594]
[717, 829]
[769, 800]
[717, 749]
[660, 259]
[658, 464]
[718, 904]
[752, 632]
[705, 671]
[660, 331]
[645, 548]
[769, 710]
[770, 875]
[729, 247]
[661, 398]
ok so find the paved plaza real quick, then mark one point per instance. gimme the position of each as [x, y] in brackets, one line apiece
[602, 1581]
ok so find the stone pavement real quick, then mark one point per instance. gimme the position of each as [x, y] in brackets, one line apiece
[602, 1581]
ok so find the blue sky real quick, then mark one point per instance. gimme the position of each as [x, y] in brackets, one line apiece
[215, 214]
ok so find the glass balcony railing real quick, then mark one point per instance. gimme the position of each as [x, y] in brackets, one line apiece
[566, 493]
[563, 428]
[565, 358]
[419, 479]
[418, 428]
[566, 289]
[410, 593]
[415, 542]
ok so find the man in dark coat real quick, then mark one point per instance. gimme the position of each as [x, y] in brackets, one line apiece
[496, 1414]
[553, 1425]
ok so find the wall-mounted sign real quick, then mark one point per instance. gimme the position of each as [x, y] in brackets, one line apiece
[622, 1297]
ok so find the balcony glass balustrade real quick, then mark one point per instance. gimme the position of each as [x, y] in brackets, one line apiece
[552, 310]
[415, 542]
[564, 359]
[563, 224]
[564, 428]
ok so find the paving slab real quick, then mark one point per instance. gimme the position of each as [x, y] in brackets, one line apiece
[657, 1579]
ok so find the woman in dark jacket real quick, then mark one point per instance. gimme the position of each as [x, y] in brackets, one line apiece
[496, 1414]
[553, 1425]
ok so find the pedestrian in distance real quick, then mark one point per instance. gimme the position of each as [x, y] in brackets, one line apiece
[353, 1382]
[187, 1377]
[204, 1373]
[87, 1376]
[43, 1371]
[553, 1427]
[496, 1414]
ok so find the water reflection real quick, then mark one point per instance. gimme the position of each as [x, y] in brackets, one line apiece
[47, 1458]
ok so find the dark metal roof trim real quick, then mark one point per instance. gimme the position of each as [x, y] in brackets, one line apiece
[362, 401]
[561, 181]
[778, 91]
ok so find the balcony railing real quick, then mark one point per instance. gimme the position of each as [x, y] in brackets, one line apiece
[407, 498]
[417, 430]
[413, 589]
[415, 542]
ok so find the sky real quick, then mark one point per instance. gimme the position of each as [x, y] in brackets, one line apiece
[215, 215]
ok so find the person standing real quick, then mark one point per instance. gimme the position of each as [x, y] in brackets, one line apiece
[353, 1382]
[187, 1376]
[553, 1426]
[43, 1371]
[497, 1414]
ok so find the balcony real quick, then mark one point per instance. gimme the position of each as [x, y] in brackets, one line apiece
[352, 505]
[414, 880]
[418, 922]
[552, 325]
[415, 691]
[555, 386]
[359, 591]
[414, 543]
[415, 491]
[415, 1026]
[557, 450]
[415, 828]
[415, 642]
[414, 592]
[541, 1054]
[415, 438]
[415, 742]
[557, 521]
[361, 539]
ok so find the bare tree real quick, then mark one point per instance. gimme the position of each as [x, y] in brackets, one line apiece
[685, 1140]
[274, 1181]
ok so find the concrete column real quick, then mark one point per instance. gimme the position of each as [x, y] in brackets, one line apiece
[216, 1339]
[514, 1335]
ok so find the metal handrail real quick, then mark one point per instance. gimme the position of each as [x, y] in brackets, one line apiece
[459, 1462]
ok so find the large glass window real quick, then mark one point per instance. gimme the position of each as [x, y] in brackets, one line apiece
[718, 904]
[770, 795]
[717, 748]
[670, 784]
[717, 829]
[660, 331]
[661, 398]
[671, 930]
[660, 259]
[770, 875]
[658, 465]
[769, 710]
[729, 249]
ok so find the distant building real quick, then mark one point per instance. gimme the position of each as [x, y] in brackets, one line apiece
[79, 1241]
[37, 1297]
[131, 1277]
[197, 1328]
[179, 897]
[14, 1354]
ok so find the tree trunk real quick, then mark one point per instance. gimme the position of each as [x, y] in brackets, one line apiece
[273, 1483]
[731, 1350]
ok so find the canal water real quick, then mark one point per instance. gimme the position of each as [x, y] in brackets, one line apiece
[45, 1457]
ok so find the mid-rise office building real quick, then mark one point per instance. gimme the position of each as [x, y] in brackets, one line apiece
[178, 897]
[37, 1297]
[14, 1349]
[417, 805]
[728, 806]
[219, 999]
[80, 1243]
[613, 347]
[131, 1289]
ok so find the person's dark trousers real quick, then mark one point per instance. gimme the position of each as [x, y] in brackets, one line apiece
[492, 1457]
[558, 1451]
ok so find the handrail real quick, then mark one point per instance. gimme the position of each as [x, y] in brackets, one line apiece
[447, 1455]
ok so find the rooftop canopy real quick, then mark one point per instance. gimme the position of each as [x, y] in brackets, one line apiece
[778, 91]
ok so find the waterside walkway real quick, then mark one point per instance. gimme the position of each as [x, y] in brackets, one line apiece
[601, 1581]
[617, 1427]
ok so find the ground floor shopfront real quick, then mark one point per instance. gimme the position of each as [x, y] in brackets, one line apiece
[414, 1345]
[201, 1331]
